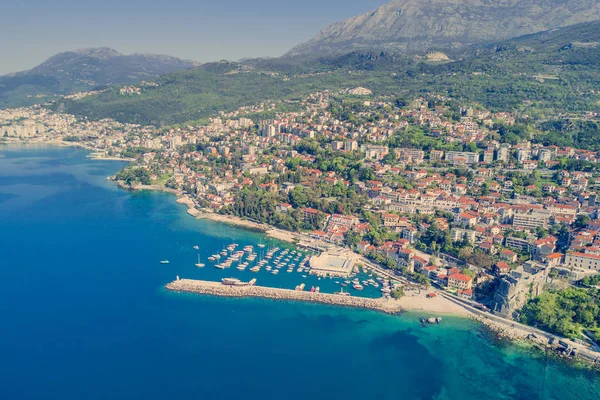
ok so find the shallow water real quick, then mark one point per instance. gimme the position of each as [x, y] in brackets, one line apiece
[85, 312]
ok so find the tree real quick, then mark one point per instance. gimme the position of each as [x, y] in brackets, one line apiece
[397, 293]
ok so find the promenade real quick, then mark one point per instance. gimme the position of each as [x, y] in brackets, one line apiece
[389, 306]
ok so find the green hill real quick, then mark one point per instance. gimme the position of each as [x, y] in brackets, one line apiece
[544, 73]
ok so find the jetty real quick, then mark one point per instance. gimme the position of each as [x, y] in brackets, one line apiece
[389, 306]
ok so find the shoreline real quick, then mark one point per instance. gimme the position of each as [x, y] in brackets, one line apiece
[501, 331]
[95, 154]
[438, 306]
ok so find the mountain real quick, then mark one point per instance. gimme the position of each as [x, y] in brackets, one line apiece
[542, 73]
[421, 25]
[81, 70]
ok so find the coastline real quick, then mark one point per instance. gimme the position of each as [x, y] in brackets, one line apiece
[502, 331]
[95, 154]
[438, 306]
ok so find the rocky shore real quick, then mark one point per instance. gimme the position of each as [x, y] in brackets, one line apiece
[217, 289]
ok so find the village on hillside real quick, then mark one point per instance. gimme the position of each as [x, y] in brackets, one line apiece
[444, 193]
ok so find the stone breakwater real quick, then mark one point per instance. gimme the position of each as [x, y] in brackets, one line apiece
[389, 306]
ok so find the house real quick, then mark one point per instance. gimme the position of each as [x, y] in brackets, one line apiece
[544, 247]
[508, 255]
[554, 259]
[460, 281]
[467, 219]
[410, 234]
[501, 268]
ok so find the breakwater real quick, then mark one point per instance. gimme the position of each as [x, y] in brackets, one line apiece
[389, 306]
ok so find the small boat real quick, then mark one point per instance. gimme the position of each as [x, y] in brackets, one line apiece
[342, 293]
[199, 264]
[164, 262]
[275, 271]
[255, 269]
[220, 266]
[196, 248]
[260, 244]
[358, 286]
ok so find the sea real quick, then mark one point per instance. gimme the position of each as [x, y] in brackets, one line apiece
[84, 313]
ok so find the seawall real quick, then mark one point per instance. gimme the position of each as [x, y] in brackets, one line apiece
[389, 306]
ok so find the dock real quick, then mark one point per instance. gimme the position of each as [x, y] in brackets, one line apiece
[389, 306]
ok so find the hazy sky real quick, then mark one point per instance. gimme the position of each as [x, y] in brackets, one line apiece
[201, 30]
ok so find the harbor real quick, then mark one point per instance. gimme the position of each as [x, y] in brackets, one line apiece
[290, 267]
[386, 305]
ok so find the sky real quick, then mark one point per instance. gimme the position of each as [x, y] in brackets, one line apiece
[199, 30]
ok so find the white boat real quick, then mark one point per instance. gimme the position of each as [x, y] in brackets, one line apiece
[164, 262]
[275, 271]
[199, 264]
[237, 282]
[358, 286]
[196, 248]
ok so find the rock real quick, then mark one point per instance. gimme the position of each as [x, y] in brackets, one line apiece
[417, 25]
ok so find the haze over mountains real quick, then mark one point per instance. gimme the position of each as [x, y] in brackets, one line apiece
[420, 25]
[85, 69]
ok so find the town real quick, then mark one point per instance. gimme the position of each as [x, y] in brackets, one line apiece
[443, 193]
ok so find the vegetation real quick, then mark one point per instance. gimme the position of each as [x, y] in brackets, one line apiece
[565, 312]
[132, 176]
[536, 74]
[397, 293]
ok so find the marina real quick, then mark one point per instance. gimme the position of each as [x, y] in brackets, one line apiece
[282, 266]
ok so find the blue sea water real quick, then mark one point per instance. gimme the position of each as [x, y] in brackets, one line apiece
[84, 312]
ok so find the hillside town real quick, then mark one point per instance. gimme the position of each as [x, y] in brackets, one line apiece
[444, 193]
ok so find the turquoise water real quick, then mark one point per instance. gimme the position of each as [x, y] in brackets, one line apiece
[85, 315]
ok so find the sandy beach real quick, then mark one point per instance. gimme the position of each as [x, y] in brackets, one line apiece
[436, 305]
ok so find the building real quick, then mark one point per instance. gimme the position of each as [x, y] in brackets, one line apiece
[517, 243]
[460, 281]
[532, 219]
[582, 261]
[462, 157]
[375, 152]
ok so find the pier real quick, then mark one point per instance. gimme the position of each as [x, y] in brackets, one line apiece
[389, 306]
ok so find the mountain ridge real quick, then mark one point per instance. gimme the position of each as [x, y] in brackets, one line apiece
[421, 25]
[84, 69]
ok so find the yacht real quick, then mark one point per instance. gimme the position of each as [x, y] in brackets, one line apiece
[164, 262]
[199, 264]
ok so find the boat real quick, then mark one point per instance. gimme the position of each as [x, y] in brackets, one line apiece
[255, 269]
[342, 293]
[358, 286]
[199, 264]
[164, 262]
[237, 282]
[275, 271]
[300, 287]
[317, 289]
[220, 266]
[211, 258]
[260, 244]
[196, 248]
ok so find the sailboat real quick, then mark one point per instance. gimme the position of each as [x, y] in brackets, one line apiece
[199, 264]
[260, 244]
